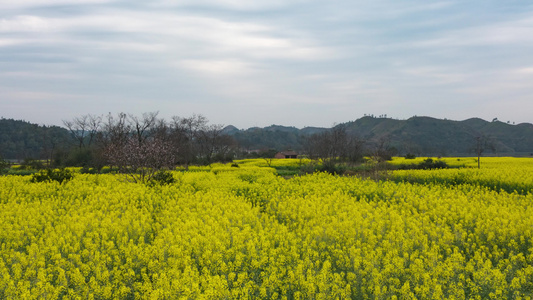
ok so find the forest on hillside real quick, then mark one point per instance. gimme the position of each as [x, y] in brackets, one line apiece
[421, 136]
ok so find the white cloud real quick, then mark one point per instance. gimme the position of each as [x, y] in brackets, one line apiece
[38, 96]
[9, 42]
[502, 33]
[25, 23]
[20, 4]
[525, 71]
[438, 75]
[34, 75]
[159, 31]
[228, 4]
[217, 67]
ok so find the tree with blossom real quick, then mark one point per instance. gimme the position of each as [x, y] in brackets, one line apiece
[141, 161]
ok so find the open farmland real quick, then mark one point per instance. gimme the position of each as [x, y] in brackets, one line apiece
[244, 232]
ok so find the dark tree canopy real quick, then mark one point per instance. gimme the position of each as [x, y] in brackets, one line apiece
[21, 139]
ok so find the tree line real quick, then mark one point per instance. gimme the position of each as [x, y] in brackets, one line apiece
[143, 143]
[337, 147]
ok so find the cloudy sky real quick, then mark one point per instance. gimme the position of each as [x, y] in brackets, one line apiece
[262, 62]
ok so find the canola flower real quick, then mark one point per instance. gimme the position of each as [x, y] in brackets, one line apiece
[262, 162]
[245, 233]
[497, 173]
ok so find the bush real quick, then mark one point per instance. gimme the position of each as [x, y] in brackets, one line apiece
[49, 175]
[427, 164]
[87, 170]
[307, 169]
[431, 164]
[332, 169]
[108, 170]
[162, 178]
[410, 156]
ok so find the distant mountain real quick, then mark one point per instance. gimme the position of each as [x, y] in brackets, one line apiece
[417, 135]
[517, 138]
[271, 137]
[230, 129]
[312, 130]
[431, 136]
[275, 128]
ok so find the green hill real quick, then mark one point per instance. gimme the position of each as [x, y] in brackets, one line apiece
[21, 139]
[431, 136]
[417, 135]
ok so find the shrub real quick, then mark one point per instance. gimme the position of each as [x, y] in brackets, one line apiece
[162, 178]
[431, 164]
[49, 175]
[332, 169]
[307, 169]
[410, 156]
[87, 170]
[427, 164]
[108, 170]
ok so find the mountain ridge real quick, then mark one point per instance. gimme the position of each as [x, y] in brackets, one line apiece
[421, 135]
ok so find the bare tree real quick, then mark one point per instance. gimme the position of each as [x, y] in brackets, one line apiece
[84, 128]
[193, 124]
[334, 146]
[184, 133]
[225, 146]
[116, 130]
[77, 127]
[94, 125]
[382, 150]
[206, 140]
[142, 126]
[482, 144]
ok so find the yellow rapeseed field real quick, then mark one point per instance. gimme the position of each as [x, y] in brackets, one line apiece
[225, 232]
[497, 173]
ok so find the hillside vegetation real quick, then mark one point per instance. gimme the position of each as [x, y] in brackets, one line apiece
[21, 139]
[417, 135]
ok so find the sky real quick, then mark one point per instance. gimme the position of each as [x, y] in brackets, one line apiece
[257, 63]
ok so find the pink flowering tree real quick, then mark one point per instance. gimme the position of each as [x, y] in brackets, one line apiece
[140, 161]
